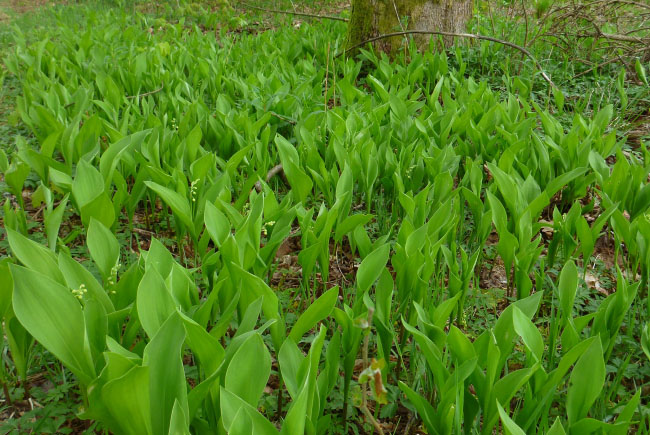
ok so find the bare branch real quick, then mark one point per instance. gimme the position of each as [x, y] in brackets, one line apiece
[147, 93]
[458, 35]
[277, 169]
[300, 14]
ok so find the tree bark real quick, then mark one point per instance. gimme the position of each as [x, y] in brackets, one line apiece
[370, 18]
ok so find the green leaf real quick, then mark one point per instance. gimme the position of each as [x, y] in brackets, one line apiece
[154, 302]
[295, 420]
[180, 205]
[640, 71]
[249, 370]
[426, 412]
[163, 356]
[20, 344]
[557, 428]
[53, 222]
[371, 267]
[300, 182]
[231, 405]
[101, 208]
[290, 358]
[255, 287]
[216, 223]
[178, 424]
[316, 312]
[350, 223]
[567, 287]
[89, 194]
[509, 425]
[6, 287]
[76, 275]
[127, 399]
[645, 340]
[526, 329]
[586, 382]
[103, 246]
[53, 316]
[459, 345]
[205, 347]
[34, 256]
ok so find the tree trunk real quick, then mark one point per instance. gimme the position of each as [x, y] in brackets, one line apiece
[372, 18]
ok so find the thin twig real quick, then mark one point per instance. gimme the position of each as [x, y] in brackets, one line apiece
[459, 35]
[612, 60]
[162, 85]
[283, 118]
[301, 14]
[144, 232]
[364, 395]
[277, 169]
[401, 26]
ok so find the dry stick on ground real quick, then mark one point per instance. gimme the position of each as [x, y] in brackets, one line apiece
[301, 14]
[459, 35]
[283, 118]
[277, 169]
[162, 85]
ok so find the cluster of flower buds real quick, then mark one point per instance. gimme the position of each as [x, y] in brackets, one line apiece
[268, 224]
[112, 279]
[80, 292]
[193, 189]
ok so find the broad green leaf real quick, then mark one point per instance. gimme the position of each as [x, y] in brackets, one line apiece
[53, 316]
[178, 424]
[509, 425]
[205, 347]
[127, 399]
[167, 385]
[645, 340]
[101, 208]
[155, 303]
[34, 256]
[6, 286]
[586, 382]
[557, 428]
[249, 370]
[526, 329]
[640, 71]
[295, 420]
[180, 205]
[567, 287]
[371, 267]
[76, 276]
[216, 223]
[103, 246]
[231, 404]
[426, 412]
[159, 257]
[626, 415]
[300, 182]
[89, 194]
[20, 344]
[291, 359]
[460, 346]
[255, 287]
[53, 222]
[316, 312]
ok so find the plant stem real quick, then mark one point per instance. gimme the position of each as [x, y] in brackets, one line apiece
[364, 395]
[6, 393]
